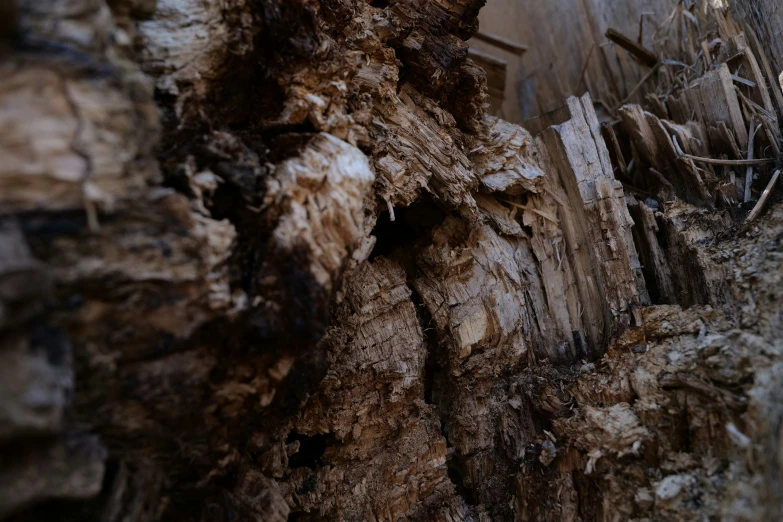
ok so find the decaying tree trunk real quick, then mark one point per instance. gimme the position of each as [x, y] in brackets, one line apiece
[270, 260]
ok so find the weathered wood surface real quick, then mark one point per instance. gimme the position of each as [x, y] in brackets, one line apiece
[764, 18]
[272, 261]
[569, 53]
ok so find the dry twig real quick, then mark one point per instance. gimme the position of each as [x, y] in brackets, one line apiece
[644, 55]
[763, 199]
[731, 163]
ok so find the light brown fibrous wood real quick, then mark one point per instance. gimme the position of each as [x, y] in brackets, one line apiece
[272, 261]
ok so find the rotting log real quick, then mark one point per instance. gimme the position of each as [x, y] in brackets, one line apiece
[272, 261]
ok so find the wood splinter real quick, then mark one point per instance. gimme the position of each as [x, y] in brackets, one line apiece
[749, 173]
[644, 55]
[731, 163]
[763, 199]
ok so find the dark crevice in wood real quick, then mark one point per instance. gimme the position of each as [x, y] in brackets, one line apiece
[410, 223]
[311, 450]
[643, 248]
[455, 476]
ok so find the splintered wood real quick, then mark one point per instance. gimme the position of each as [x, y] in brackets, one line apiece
[664, 418]
[711, 140]
[272, 260]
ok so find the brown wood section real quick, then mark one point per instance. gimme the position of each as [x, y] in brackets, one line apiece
[568, 52]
